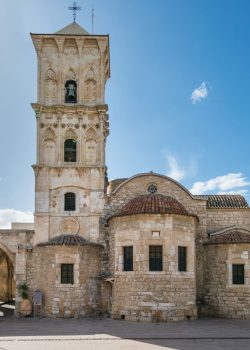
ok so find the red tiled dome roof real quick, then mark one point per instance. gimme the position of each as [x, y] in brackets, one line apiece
[229, 238]
[67, 239]
[152, 204]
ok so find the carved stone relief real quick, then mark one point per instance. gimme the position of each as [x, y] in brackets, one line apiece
[71, 75]
[69, 226]
[50, 85]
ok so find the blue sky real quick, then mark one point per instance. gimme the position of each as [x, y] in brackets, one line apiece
[178, 94]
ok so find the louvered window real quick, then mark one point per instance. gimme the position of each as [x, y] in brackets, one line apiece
[182, 258]
[155, 258]
[128, 258]
[238, 274]
[67, 273]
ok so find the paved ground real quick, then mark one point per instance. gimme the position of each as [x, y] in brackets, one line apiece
[107, 334]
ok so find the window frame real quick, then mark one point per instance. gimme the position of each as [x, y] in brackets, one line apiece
[69, 152]
[155, 261]
[69, 201]
[238, 277]
[67, 273]
[128, 258]
[182, 258]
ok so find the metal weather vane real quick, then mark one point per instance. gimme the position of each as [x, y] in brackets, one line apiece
[74, 8]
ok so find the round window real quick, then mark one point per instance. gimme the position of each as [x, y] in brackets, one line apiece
[152, 188]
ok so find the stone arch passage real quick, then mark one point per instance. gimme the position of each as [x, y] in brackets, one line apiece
[7, 282]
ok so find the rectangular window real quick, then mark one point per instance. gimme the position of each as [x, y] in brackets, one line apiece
[128, 258]
[155, 258]
[182, 258]
[238, 274]
[67, 273]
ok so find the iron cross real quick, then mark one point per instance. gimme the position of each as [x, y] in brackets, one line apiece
[74, 8]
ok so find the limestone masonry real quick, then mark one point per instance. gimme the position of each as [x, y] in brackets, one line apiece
[142, 248]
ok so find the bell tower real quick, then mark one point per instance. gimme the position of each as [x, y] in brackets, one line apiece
[72, 126]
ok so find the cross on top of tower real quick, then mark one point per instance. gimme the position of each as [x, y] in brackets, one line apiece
[74, 8]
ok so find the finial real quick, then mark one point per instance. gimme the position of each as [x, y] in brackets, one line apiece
[74, 8]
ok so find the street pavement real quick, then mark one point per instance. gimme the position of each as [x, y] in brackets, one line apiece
[108, 334]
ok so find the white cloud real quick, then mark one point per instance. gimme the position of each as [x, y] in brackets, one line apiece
[174, 170]
[7, 216]
[199, 93]
[221, 184]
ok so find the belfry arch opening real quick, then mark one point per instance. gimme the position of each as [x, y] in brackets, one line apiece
[70, 91]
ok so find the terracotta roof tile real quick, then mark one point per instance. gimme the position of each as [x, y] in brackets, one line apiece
[225, 201]
[229, 238]
[152, 204]
[67, 240]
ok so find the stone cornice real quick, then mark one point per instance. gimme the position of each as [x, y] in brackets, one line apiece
[63, 109]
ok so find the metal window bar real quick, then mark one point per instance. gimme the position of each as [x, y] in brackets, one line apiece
[67, 273]
[69, 201]
[182, 258]
[155, 258]
[128, 258]
[238, 274]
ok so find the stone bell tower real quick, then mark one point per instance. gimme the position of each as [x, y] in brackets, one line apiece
[72, 126]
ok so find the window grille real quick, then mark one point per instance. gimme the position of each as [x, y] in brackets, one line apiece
[128, 258]
[155, 258]
[182, 258]
[238, 274]
[70, 150]
[67, 273]
[69, 201]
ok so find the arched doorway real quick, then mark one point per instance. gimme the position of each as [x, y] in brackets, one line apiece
[7, 284]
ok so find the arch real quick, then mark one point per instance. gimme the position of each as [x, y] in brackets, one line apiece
[50, 75]
[91, 134]
[91, 146]
[91, 74]
[70, 150]
[69, 201]
[156, 175]
[90, 90]
[7, 282]
[71, 75]
[49, 134]
[70, 134]
[70, 91]
[8, 252]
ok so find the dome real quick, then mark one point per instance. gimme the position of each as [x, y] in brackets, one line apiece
[152, 204]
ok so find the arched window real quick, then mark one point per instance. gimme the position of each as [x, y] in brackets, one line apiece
[69, 201]
[70, 150]
[70, 91]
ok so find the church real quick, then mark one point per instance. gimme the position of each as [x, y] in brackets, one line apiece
[141, 248]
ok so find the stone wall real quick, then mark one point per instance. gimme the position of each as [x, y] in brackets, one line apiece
[153, 295]
[221, 218]
[66, 300]
[222, 298]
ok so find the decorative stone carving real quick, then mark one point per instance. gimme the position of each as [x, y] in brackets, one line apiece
[50, 75]
[50, 85]
[69, 225]
[71, 75]
[70, 135]
[91, 134]
[49, 134]
[91, 74]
